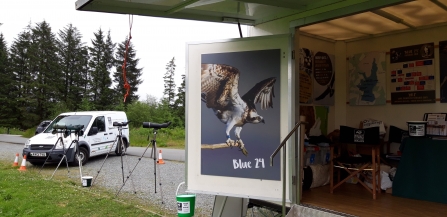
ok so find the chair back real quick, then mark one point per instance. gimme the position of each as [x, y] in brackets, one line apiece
[359, 136]
[396, 134]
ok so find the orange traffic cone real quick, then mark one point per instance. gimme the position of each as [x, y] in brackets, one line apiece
[23, 166]
[160, 158]
[16, 161]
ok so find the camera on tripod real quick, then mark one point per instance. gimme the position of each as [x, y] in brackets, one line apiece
[155, 125]
[67, 129]
[120, 124]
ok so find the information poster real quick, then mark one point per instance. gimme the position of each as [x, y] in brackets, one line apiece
[367, 78]
[412, 74]
[240, 114]
[306, 69]
[443, 69]
[324, 79]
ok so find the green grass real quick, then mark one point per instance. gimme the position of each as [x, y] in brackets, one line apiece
[169, 138]
[30, 194]
[14, 131]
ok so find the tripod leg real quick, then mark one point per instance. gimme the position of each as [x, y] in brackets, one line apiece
[159, 182]
[127, 163]
[68, 169]
[97, 174]
[154, 151]
[52, 149]
[120, 146]
[79, 159]
[139, 159]
[64, 157]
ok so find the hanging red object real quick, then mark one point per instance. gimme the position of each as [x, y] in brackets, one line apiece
[126, 84]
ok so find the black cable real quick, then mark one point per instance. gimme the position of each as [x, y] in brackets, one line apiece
[240, 31]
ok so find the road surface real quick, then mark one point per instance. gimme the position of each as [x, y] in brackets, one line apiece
[167, 154]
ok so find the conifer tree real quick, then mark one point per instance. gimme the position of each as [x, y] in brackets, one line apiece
[20, 66]
[73, 55]
[7, 103]
[180, 101]
[169, 91]
[45, 69]
[100, 64]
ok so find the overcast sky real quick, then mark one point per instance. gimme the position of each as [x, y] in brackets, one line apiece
[156, 40]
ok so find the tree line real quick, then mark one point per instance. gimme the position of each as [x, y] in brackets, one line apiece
[43, 74]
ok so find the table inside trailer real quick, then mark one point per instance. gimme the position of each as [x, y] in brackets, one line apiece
[422, 170]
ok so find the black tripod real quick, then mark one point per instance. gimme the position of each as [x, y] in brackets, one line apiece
[152, 143]
[64, 131]
[121, 150]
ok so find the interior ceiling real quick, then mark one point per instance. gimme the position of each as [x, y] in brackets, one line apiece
[332, 19]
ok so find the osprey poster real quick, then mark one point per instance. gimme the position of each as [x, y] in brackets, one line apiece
[240, 114]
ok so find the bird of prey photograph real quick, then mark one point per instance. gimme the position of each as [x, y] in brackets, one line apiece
[220, 92]
[240, 112]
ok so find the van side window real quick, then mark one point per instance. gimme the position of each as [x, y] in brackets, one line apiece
[100, 123]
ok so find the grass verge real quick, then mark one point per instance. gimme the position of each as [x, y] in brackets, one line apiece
[14, 131]
[167, 138]
[29, 194]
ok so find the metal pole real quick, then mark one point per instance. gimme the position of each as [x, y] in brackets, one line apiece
[284, 160]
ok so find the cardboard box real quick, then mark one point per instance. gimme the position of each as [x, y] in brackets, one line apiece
[389, 190]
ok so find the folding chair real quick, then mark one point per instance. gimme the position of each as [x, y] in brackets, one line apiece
[353, 164]
[395, 136]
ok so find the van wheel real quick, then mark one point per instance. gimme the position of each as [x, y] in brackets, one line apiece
[120, 148]
[83, 154]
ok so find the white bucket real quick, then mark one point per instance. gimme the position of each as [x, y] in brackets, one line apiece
[87, 181]
[417, 128]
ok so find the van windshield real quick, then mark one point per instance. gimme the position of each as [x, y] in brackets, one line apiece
[70, 120]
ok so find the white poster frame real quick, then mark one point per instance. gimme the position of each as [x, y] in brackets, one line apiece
[234, 186]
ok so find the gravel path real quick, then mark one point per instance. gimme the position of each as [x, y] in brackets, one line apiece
[141, 181]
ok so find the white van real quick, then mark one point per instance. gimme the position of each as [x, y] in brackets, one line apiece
[97, 137]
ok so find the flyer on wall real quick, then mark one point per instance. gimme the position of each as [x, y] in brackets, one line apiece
[367, 79]
[324, 79]
[306, 69]
[317, 119]
[412, 74]
[240, 114]
[443, 70]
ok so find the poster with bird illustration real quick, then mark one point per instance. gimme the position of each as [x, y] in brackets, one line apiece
[324, 79]
[240, 113]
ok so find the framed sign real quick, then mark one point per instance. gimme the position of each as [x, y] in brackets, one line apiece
[236, 115]
[437, 124]
[413, 74]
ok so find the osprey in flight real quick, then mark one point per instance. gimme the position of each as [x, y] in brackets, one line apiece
[220, 93]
